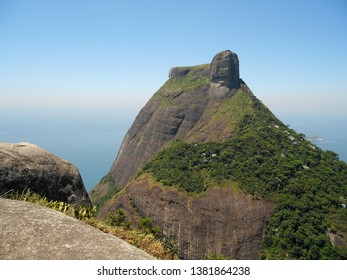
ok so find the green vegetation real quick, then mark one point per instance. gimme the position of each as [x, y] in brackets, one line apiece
[112, 189]
[147, 242]
[80, 213]
[144, 229]
[234, 108]
[215, 256]
[118, 219]
[224, 116]
[188, 82]
[267, 159]
[146, 226]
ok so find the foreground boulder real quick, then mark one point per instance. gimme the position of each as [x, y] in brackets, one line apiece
[26, 166]
[32, 232]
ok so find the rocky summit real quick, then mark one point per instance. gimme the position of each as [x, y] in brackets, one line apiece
[209, 165]
[225, 69]
[158, 123]
[25, 166]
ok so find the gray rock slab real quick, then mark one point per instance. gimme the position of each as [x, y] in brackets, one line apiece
[32, 232]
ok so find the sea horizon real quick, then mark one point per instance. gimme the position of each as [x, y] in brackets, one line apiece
[92, 141]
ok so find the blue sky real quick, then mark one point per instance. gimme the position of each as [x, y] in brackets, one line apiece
[92, 54]
[69, 67]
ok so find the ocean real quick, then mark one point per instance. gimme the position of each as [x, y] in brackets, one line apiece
[327, 131]
[91, 140]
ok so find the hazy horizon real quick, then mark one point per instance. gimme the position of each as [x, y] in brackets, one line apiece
[92, 143]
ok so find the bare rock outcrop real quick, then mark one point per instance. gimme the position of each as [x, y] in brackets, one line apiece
[32, 232]
[222, 221]
[225, 69]
[176, 72]
[154, 126]
[27, 166]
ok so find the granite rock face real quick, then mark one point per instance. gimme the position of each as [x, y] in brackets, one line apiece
[154, 126]
[225, 69]
[32, 232]
[222, 221]
[27, 166]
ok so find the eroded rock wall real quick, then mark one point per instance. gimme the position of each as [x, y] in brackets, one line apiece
[222, 221]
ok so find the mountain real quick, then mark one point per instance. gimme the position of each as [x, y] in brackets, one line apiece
[209, 164]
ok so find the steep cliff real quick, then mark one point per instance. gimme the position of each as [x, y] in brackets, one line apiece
[222, 221]
[210, 165]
